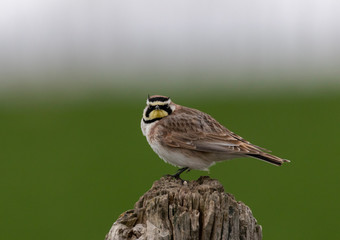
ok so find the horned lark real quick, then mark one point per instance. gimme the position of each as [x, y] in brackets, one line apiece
[191, 139]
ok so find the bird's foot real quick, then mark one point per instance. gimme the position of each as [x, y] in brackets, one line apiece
[179, 172]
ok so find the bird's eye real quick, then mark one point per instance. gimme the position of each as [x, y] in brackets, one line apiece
[149, 110]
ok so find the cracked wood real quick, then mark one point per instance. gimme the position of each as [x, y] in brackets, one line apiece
[178, 210]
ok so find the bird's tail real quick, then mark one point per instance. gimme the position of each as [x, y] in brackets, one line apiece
[269, 158]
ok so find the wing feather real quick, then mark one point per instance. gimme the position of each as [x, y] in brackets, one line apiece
[192, 129]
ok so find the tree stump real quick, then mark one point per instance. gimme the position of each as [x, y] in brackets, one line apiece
[181, 210]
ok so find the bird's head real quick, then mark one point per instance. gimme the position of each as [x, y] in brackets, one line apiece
[157, 107]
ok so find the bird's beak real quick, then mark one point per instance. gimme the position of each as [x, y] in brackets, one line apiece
[157, 107]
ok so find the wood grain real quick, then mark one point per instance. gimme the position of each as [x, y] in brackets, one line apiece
[173, 209]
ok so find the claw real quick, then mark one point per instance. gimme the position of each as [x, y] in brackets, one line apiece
[179, 172]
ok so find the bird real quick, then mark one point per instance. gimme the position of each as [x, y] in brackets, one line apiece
[190, 139]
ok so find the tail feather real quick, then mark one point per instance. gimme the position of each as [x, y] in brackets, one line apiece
[269, 158]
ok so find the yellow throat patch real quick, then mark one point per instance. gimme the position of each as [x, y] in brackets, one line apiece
[158, 114]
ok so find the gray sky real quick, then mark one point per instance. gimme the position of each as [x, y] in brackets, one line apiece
[125, 37]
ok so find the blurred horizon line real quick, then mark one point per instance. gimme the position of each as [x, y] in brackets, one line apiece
[114, 87]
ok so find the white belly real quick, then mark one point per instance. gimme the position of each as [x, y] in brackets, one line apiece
[178, 159]
[174, 155]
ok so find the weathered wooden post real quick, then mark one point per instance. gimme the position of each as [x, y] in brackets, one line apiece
[178, 210]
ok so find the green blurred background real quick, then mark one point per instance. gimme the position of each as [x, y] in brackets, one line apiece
[74, 76]
[68, 170]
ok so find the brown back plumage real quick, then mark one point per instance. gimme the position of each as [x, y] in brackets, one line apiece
[191, 129]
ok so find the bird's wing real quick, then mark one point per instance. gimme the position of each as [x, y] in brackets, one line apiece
[191, 129]
[206, 143]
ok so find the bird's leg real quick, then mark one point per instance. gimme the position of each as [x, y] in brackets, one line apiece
[179, 172]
